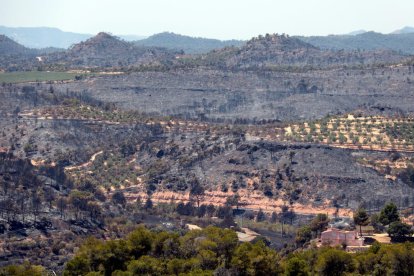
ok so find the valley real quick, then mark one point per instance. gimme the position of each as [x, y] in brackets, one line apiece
[276, 132]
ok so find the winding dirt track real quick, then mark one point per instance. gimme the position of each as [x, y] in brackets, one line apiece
[93, 157]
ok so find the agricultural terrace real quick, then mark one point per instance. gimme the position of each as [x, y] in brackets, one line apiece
[374, 133]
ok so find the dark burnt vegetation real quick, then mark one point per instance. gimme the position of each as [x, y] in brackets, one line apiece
[198, 137]
[155, 153]
[254, 97]
[34, 203]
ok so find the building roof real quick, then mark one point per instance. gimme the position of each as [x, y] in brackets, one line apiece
[247, 236]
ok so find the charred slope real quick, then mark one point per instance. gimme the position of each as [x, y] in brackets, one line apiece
[303, 174]
[216, 155]
[35, 220]
[230, 96]
[104, 50]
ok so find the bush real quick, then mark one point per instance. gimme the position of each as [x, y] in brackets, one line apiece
[407, 176]
[399, 230]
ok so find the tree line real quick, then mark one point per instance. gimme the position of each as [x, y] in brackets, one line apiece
[215, 251]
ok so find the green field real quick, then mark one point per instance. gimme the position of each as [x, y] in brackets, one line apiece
[15, 77]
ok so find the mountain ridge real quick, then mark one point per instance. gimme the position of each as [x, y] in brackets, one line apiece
[190, 45]
[271, 51]
[44, 37]
[404, 30]
[10, 47]
[403, 42]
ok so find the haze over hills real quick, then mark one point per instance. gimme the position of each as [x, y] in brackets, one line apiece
[43, 37]
[405, 30]
[401, 42]
[10, 47]
[14, 54]
[190, 45]
[357, 32]
[269, 51]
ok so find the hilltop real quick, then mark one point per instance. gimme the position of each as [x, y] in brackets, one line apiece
[405, 30]
[270, 52]
[282, 51]
[105, 50]
[10, 47]
[15, 56]
[188, 44]
[45, 37]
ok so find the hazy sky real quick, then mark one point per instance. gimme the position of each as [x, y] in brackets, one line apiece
[223, 19]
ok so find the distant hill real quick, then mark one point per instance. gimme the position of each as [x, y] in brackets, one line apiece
[190, 45]
[44, 37]
[270, 51]
[105, 50]
[357, 32]
[14, 56]
[9, 47]
[405, 30]
[279, 51]
[402, 42]
[132, 38]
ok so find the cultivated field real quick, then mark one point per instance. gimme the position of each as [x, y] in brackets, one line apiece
[16, 77]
